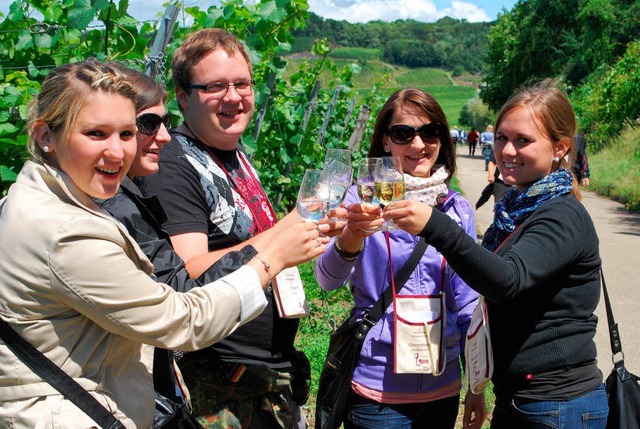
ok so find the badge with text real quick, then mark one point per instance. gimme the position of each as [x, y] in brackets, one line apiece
[419, 323]
[289, 295]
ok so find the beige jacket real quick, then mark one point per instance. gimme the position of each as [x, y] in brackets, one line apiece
[75, 285]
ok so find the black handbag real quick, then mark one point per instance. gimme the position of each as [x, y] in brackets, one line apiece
[171, 415]
[344, 351]
[622, 386]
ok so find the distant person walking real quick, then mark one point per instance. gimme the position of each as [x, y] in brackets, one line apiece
[455, 135]
[581, 165]
[486, 139]
[463, 136]
[472, 138]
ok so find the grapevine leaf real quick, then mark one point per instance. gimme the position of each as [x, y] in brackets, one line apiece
[81, 14]
[7, 175]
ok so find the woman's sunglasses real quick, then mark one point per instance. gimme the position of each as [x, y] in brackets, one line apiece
[404, 134]
[149, 123]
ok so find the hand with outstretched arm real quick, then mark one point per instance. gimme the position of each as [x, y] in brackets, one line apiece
[409, 215]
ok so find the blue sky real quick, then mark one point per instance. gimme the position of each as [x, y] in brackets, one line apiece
[356, 10]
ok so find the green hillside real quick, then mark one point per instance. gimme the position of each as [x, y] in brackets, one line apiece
[451, 95]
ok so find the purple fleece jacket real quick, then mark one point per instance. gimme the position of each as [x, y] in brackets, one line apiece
[369, 276]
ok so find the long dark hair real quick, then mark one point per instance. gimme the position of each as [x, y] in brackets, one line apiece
[421, 104]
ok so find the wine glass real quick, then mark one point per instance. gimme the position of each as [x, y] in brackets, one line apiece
[339, 177]
[366, 184]
[365, 181]
[313, 196]
[389, 183]
[340, 155]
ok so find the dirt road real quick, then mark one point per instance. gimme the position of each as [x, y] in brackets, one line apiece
[619, 233]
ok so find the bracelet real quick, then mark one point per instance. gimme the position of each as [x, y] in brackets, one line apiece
[266, 266]
[347, 256]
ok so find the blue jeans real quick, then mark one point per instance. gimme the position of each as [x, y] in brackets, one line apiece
[367, 414]
[588, 411]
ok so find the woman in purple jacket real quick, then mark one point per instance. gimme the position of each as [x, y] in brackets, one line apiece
[411, 125]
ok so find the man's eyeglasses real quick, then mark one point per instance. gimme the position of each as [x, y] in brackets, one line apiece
[149, 123]
[404, 134]
[220, 89]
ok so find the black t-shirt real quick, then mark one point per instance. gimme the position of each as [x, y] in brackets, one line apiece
[199, 197]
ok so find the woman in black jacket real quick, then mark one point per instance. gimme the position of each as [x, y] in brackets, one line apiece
[538, 267]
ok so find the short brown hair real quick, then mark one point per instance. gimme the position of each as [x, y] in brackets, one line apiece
[422, 103]
[198, 45]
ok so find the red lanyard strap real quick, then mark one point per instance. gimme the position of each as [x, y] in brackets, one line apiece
[248, 189]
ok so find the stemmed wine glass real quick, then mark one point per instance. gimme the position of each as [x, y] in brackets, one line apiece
[338, 177]
[389, 183]
[365, 183]
[341, 155]
[339, 173]
[313, 196]
[365, 180]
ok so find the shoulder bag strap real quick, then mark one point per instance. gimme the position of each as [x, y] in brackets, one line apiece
[57, 378]
[614, 334]
[373, 315]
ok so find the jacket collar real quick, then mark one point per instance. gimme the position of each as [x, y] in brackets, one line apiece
[37, 175]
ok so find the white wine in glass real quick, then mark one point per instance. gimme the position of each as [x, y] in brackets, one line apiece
[366, 182]
[313, 200]
[389, 183]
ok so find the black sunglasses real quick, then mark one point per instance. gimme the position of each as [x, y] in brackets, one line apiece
[149, 123]
[404, 134]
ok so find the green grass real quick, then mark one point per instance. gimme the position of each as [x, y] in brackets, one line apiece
[615, 170]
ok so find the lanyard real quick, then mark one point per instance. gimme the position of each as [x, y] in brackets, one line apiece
[247, 189]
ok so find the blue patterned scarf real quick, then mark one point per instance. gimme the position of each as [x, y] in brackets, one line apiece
[515, 207]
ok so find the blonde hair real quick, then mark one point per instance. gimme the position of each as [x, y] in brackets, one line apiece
[552, 109]
[65, 91]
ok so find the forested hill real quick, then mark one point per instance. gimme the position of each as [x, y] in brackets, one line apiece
[455, 45]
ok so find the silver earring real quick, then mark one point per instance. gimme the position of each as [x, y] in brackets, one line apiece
[386, 149]
[45, 149]
[556, 159]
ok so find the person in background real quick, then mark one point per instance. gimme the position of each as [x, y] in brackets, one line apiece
[581, 165]
[486, 140]
[411, 125]
[215, 203]
[74, 283]
[496, 186]
[463, 136]
[455, 135]
[540, 308]
[472, 138]
[143, 216]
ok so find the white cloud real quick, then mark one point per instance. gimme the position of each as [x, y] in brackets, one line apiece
[390, 10]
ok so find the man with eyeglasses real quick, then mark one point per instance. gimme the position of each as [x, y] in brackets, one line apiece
[215, 203]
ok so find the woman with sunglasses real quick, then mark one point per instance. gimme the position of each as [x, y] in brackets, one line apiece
[412, 126]
[75, 284]
[143, 215]
[538, 267]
